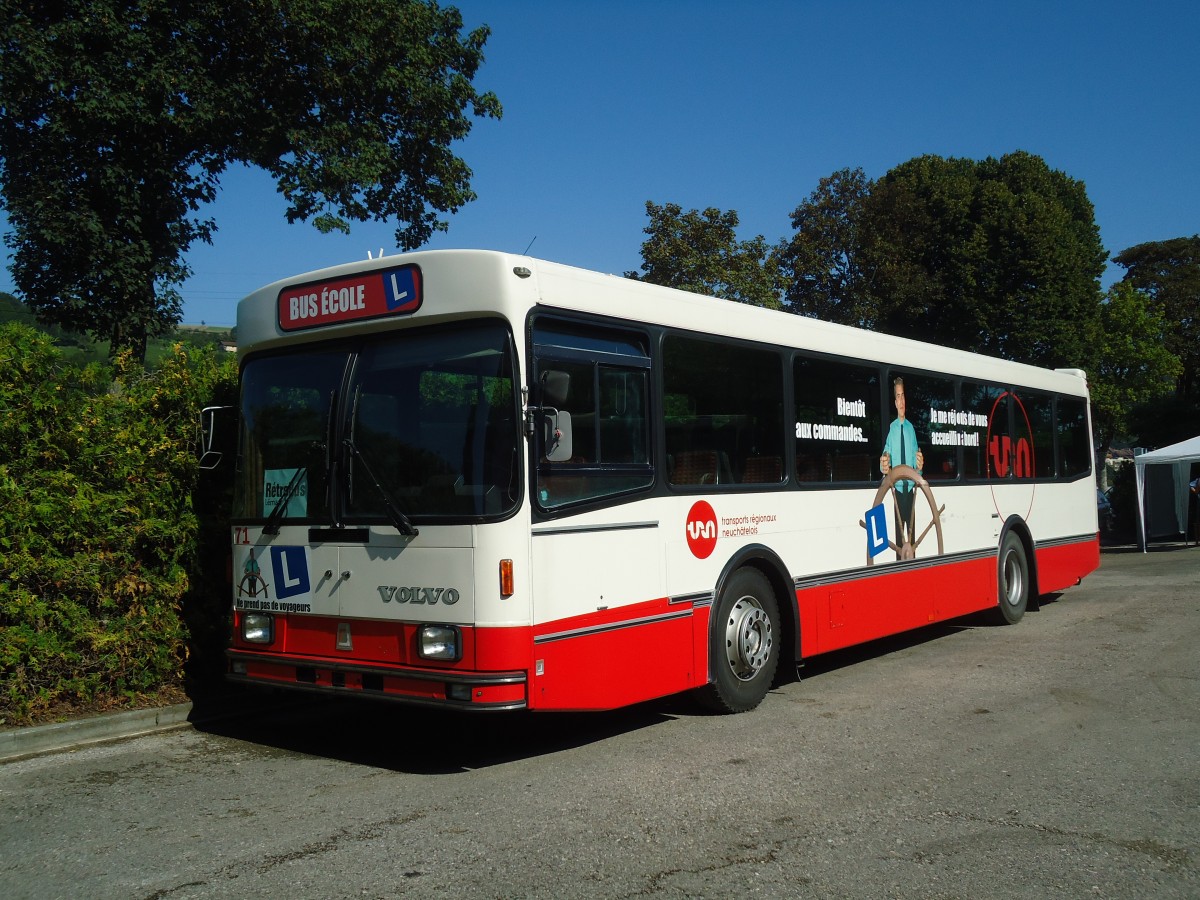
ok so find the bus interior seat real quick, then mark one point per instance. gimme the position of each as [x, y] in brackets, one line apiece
[763, 470]
[852, 467]
[700, 467]
[813, 468]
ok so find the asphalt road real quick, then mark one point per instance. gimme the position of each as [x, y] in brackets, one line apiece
[1056, 758]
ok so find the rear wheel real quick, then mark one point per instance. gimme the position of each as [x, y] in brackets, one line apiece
[743, 643]
[1013, 580]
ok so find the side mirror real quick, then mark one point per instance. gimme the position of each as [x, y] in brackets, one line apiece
[555, 386]
[556, 422]
[556, 435]
[217, 430]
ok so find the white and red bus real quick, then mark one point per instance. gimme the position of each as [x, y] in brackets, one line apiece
[486, 481]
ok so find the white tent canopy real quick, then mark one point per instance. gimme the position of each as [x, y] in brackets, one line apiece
[1168, 480]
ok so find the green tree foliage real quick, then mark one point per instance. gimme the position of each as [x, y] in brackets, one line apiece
[13, 310]
[1169, 272]
[1001, 256]
[699, 251]
[118, 118]
[80, 349]
[1165, 419]
[822, 263]
[98, 529]
[1133, 366]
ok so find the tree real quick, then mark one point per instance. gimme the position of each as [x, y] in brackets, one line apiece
[699, 251]
[1133, 367]
[822, 263]
[13, 310]
[1000, 257]
[1169, 272]
[118, 118]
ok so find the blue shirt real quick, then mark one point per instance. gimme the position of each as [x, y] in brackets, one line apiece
[901, 447]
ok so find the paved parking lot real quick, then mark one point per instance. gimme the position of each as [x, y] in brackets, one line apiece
[1054, 758]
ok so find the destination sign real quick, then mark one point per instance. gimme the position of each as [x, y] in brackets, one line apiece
[369, 295]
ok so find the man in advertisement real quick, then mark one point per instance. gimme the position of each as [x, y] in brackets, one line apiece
[901, 449]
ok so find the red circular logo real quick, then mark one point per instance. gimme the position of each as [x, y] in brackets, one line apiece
[701, 530]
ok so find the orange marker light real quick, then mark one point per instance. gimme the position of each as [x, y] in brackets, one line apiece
[506, 578]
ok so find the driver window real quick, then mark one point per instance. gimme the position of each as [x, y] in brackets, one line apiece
[591, 397]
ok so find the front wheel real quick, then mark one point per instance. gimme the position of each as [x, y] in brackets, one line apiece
[743, 643]
[1013, 580]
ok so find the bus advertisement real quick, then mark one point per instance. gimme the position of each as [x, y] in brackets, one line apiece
[476, 480]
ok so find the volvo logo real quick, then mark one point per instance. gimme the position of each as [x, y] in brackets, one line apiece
[430, 595]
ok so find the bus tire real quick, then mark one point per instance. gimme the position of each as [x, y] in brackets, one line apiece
[1013, 578]
[743, 643]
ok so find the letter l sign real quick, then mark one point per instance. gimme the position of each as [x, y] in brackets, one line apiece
[290, 567]
[877, 536]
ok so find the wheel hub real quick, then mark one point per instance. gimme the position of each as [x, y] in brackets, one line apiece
[748, 638]
[1013, 582]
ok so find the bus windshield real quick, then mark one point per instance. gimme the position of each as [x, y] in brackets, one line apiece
[422, 420]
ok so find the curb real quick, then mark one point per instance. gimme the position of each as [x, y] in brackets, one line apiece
[36, 739]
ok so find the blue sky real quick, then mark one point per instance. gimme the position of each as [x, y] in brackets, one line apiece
[746, 105]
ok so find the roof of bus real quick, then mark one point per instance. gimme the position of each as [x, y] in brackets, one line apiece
[511, 285]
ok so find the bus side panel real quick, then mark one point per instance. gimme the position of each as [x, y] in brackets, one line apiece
[600, 661]
[1063, 565]
[867, 608]
[701, 616]
[966, 587]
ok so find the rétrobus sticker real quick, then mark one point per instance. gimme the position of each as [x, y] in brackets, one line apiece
[370, 295]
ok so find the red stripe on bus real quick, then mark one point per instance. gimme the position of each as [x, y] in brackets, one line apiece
[1063, 565]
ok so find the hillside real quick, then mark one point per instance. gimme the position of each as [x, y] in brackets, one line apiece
[81, 349]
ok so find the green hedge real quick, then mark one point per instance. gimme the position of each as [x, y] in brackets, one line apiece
[108, 581]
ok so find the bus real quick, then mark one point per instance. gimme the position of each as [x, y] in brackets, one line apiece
[485, 481]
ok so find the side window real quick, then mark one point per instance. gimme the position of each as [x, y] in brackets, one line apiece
[1017, 440]
[723, 405]
[837, 419]
[1034, 422]
[593, 434]
[1074, 446]
[928, 405]
[989, 452]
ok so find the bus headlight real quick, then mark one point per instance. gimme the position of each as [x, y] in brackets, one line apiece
[439, 642]
[258, 628]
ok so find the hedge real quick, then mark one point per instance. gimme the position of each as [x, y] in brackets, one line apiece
[110, 588]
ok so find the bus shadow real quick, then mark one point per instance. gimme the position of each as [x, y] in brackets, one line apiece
[1152, 547]
[425, 741]
[816, 666]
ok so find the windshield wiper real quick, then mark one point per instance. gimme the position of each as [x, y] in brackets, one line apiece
[398, 519]
[276, 516]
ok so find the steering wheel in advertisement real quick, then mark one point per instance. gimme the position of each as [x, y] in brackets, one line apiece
[904, 545]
